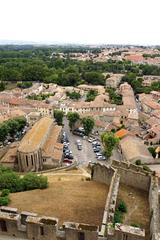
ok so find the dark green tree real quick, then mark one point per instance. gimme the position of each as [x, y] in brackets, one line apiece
[88, 124]
[2, 86]
[73, 117]
[109, 142]
[58, 115]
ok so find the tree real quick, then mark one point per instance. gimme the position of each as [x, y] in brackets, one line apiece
[94, 78]
[34, 73]
[91, 95]
[24, 84]
[58, 115]
[115, 98]
[10, 181]
[3, 132]
[109, 142]
[2, 86]
[88, 124]
[152, 151]
[138, 162]
[73, 117]
[32, 181]
[73, 95]
[11, 126]
[122, 207]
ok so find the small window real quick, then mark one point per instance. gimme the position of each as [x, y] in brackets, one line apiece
[81, 236]
[41, 231]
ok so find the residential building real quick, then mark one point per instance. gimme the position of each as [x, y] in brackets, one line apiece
[133, 149]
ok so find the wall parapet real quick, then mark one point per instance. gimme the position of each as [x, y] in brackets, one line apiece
[26, 225]
[154, 209]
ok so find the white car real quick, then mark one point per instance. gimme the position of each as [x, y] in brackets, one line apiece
[90, 140]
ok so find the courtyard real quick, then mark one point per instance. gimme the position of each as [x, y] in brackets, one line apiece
[79, 201]
[137, 207]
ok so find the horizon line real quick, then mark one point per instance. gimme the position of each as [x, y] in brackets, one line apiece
[47, 42]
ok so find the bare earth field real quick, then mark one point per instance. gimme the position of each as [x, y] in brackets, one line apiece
[79, 201]
[137, 206]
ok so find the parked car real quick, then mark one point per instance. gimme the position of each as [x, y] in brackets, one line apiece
[91, 139]
[79, 146]
[78, 141]
[67, 160]
[96, 150]
[98, 154]
[101, 158]
[96, 143]
[75, 132]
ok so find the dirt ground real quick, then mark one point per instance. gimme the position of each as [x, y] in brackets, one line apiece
[137, 207]
[79, 201]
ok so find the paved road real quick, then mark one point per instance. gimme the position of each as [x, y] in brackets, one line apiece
[81, 156]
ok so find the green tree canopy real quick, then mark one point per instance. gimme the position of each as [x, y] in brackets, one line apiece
[2, 86]
[73, 117]
[58, 115]
[109, 142]
[94, 78]
[11, 126]
[91, 95]
[88, 124]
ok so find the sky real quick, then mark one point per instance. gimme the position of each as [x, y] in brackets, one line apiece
[81, 21]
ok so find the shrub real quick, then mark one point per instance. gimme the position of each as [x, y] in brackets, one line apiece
[91, 95]
[135, 225]
[138, 162]
[73, 95]
[10, 181]
[152, 151]
[146, 168]
[31, 181]
[118, 217]
[122, 207]
[43, 182]
[5, 192]
[4, 201]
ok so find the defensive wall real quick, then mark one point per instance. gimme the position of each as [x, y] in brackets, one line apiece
[154, 209]
[26, 225]
[129, 173]
[134, 176]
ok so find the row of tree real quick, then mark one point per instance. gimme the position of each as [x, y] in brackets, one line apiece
[40, 65]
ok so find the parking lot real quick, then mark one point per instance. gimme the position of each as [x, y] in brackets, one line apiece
[84, 156]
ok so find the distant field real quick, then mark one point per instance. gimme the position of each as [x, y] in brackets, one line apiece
[79, 201]
[137, 205]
